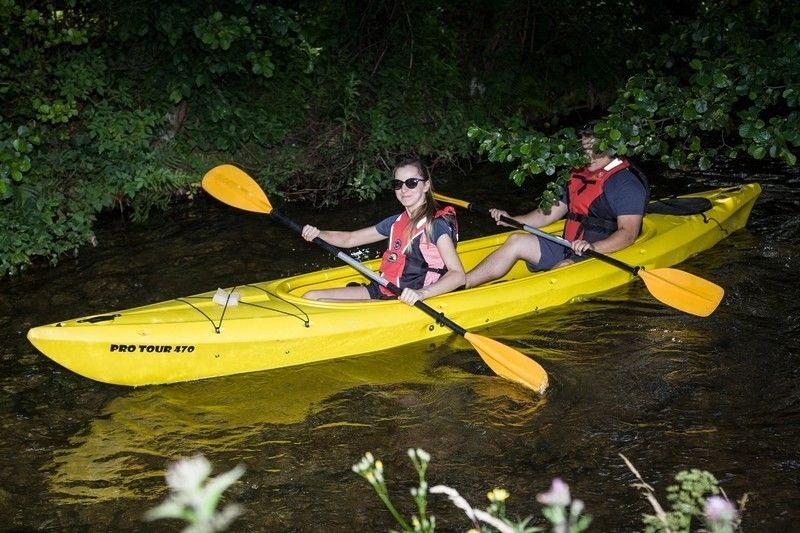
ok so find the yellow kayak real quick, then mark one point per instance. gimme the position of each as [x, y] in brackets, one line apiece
[268, 325]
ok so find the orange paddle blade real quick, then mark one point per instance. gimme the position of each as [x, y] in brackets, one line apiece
[509, 363]
[682, 290]
[234, 187]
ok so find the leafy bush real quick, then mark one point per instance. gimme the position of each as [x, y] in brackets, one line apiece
[720, 86]
[120, 105]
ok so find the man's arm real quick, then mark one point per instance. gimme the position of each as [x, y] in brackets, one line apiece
[628, 227]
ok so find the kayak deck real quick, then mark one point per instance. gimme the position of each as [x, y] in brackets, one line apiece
[273, 326]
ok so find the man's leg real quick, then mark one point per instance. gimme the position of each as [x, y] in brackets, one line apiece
[498, 263]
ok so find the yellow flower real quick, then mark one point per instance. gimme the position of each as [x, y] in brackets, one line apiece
[498, 495]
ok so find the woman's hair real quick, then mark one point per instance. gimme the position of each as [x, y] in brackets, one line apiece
[429, 208]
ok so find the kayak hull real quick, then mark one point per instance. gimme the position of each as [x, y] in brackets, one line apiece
[272, 326]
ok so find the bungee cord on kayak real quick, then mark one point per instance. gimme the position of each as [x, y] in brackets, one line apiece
[306, 321]
[217, 326]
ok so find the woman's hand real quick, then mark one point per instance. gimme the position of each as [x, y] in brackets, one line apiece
[410, 296]
[580, 246]
[310, 232]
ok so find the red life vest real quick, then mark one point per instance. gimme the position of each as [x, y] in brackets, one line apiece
[584, 188]
[411, 260]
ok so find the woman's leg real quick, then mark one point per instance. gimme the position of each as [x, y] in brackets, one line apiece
[339, 293]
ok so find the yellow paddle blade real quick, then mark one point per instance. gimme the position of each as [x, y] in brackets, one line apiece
[509, 363]
[683, 291]
[234, 187]
[450, 200]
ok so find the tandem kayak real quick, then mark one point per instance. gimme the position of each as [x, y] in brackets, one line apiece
[267, 325]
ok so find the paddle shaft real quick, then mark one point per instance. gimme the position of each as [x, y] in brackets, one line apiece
[367, 272]
[558, 240]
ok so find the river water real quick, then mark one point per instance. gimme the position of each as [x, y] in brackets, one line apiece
[628, 376]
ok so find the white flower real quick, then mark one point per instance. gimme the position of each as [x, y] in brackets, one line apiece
[576, 508]
[718, 509]
[188, 474]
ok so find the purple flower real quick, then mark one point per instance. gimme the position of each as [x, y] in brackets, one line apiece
[558, 495]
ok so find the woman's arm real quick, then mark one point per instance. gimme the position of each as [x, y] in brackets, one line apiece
[343, 239]
[450, 281]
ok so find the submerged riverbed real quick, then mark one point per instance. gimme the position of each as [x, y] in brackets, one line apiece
[628, 375]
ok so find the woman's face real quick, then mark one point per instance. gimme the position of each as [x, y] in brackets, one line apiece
[408, 197]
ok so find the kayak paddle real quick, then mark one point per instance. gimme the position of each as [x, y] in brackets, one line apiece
[676, 288]
[234, 187]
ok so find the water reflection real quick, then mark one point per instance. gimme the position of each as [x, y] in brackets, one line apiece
[131, 440]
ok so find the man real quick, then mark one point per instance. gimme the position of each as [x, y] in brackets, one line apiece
[604, 203]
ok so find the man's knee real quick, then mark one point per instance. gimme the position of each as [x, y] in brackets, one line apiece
[523, 247]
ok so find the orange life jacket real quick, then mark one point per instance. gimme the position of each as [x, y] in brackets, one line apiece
[411, 260]
[584, 188]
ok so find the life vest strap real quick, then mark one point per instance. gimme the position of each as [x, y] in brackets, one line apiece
[593, 222]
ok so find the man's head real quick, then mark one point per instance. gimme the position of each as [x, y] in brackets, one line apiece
[588, 141]
[587, 134]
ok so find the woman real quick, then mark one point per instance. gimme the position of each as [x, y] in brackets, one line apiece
[421, 254]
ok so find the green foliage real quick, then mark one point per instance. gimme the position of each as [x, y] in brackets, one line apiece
[535, 154]
[88, 118]
[194, 497]
[687, 500]
[120, 105]
[694, 498]
[493, 518]
[15, 160]
[719, 86]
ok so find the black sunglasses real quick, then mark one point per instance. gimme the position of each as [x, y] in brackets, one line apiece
[410, 183]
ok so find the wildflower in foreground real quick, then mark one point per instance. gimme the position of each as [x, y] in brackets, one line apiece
[720, 515]
[556, 501]
[497, 495]
[194, 497]
[557, 495]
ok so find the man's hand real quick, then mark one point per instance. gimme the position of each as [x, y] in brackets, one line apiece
[580, 246]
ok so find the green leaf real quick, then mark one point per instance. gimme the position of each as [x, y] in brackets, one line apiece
[721, 80]
[701, 106]
[746, 130]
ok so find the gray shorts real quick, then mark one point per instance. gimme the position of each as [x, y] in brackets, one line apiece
[552, 253]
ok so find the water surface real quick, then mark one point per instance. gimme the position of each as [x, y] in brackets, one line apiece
[628, 375]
